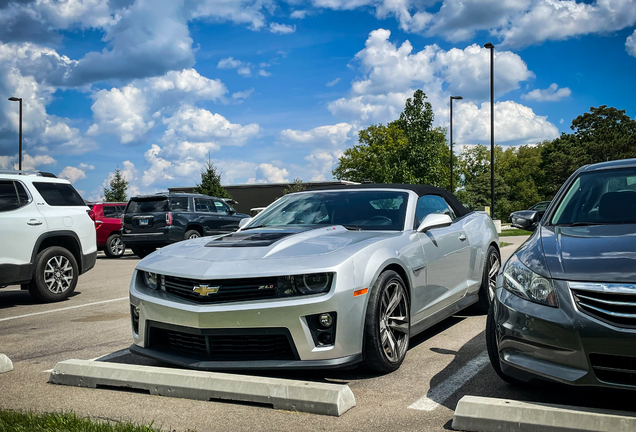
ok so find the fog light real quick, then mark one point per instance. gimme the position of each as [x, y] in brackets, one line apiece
[134, 315]
[326, 338]
[325, 320]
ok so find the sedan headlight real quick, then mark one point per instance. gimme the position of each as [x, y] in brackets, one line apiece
[523, 282]
[150, 279]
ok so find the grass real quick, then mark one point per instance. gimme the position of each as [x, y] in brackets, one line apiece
[514, 232]
[14, 421]
[504, 244]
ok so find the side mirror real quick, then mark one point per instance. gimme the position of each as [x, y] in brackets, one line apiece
[232, 211]
[526, 220]
[434, 220]
[244, 222]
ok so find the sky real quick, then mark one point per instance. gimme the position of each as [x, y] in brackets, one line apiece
[271, 90]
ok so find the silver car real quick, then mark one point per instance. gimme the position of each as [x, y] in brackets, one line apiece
[320, 279]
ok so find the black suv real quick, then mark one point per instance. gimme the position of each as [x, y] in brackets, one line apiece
[152, 221]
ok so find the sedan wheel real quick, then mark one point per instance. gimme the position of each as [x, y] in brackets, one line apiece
[494, 266]
[115, 246]
[387, 324]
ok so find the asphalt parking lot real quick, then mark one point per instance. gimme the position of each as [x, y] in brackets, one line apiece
[443, 364]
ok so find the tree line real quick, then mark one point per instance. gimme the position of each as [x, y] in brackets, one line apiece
[411, 150]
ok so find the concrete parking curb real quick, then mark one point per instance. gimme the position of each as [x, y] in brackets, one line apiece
[304, 396]
[6, 365]
[480, 414]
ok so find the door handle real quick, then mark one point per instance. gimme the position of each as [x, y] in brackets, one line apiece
[462, 237]
[34, 222]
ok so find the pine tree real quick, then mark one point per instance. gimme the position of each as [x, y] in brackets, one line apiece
[296, 186]
[117, 190]
[211, 182]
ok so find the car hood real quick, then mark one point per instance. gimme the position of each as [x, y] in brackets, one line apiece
[273, 243]
[601, 253]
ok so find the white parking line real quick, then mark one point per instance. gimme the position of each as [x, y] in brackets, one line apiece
[445, 389]
[63, 309]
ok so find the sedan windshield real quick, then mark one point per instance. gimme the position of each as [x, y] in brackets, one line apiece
[365, 210]
[599, 197]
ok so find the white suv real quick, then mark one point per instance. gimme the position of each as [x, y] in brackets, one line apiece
[47, 236]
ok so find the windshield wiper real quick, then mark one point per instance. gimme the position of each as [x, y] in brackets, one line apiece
[352, 227]
[252, 227]
[575, 224]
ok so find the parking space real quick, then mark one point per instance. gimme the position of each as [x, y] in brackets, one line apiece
[443, 364]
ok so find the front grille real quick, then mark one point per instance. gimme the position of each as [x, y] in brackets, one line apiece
[614, 369]
[224, 344]
[611, 303]
[228, 289]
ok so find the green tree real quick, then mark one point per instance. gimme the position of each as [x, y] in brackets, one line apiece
[211, 182]
[296, 186]
[118, 187]
[408, 150]
[603, 134]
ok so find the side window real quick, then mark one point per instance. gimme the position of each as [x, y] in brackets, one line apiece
[8, 196]
[203, 205]
[59, 194]
[429, 204]
[22, 194]
[110, 211]
[179, 204]
[221, 207]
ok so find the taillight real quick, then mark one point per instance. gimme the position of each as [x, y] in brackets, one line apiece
[168, 219]
[91, 214]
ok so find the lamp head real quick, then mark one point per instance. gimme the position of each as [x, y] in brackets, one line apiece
[456, 97]
[15, 99]
[489, 46]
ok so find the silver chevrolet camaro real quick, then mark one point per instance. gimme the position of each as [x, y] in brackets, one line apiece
[320, 279]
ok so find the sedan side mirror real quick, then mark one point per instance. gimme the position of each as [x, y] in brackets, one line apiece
[526, 220]
[434, 220]
[244, 222]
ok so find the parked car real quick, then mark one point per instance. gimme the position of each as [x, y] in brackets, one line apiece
[152, 221]
[565, 304]
[47, 238]
[534, 213]
[108, 226]
[319, 279]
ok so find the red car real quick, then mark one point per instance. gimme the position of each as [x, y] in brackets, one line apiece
[107, 218]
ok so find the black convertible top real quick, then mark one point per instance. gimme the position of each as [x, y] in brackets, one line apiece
[420, 190]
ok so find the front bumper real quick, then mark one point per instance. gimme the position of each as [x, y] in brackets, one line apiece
[561, 344]
[159, 309]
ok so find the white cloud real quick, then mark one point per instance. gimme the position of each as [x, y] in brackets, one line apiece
[333, 83]
[551, 94]
[299, 14]
[336, 135]
[273, 174]
[34, 162]
[281, 28]
[229, 63]
[244, 71]
[86, 167]
[321, 162]
[630, 44]
[130, 112]
[243, 95]
[72, 174]
[264, 73]
[237, 11]
[514, 124]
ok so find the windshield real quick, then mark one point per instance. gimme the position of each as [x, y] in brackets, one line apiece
[599, 197]
[367, 210]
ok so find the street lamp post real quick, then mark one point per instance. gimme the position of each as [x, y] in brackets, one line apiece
[451, 140]
[491, 47]
[15, 99]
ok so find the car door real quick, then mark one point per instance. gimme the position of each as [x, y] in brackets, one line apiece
[228, 219]
[207, 216]
[447, 252]
[21, 224]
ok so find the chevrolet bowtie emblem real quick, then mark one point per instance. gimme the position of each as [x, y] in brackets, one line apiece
[204, 290]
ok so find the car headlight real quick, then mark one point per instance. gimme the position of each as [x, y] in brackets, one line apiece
[523, 282]
[150, 279]
[313, 283]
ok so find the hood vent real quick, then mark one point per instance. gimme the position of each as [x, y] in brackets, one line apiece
[251, 239]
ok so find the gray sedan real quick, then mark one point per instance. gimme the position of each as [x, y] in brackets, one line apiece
[565, 303]
[320, 279]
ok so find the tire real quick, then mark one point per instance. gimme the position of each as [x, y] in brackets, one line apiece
[493, 352]
[191, 234]
[492, 264]
[55, 276]
[142, 252]
[114, 247]
[385, 345]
